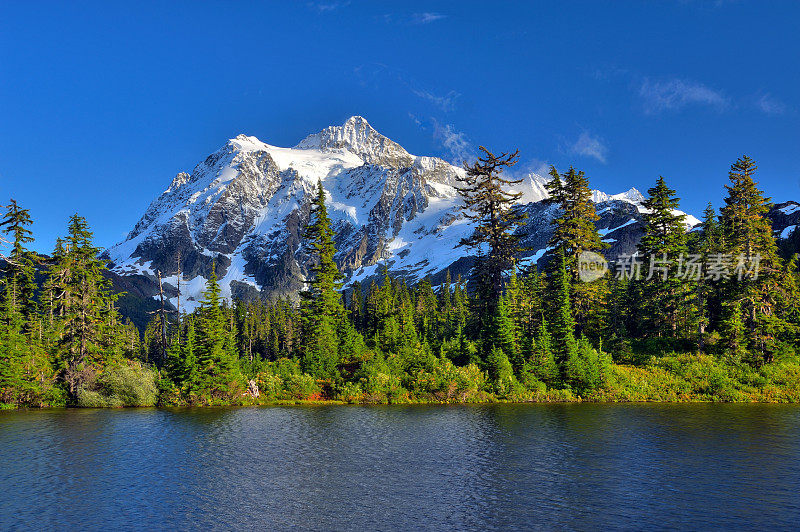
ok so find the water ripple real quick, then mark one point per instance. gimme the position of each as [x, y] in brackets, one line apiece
[490, 467]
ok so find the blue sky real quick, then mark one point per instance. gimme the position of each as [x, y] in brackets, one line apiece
[101, 104]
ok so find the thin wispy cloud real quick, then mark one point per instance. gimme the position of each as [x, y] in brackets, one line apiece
[372, 74]
[445, 103]
[770, 105]
[426, 18]
[327, 7]
[677, 94]
[416, 120]
[533, 166]
[455, 142]
[377, 75]
[413, 19]
[590, 146]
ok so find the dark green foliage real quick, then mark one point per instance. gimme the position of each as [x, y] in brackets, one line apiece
[20, 352]
[216, 372]
[708, 293]
[321, 306]
[505, 335]
[88, 333]
[575, 233]
[518, 336]
[489, 204]
[574, 227]
[747, 233]
[542, 361]
[499, 366]
[664, 305]
[563, 324]
[19, 286]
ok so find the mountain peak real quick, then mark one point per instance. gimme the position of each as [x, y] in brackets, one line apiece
[629, 196]
[244, 207]
[356, 121]
[357, 136]
[633, 195]
[244, 142]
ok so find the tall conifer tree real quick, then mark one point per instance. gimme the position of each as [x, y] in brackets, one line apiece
[82, 298]
[564, 343]
[665, 294]
[489, 204]
[216, 374]
[748, 239]
[321, 302]
[574, 233]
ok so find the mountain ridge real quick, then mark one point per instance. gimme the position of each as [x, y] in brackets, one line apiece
[243, 208]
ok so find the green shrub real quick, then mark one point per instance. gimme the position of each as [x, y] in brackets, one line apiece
[529, 378]
[350, 392]
[586, 369]
[498, 365]
[300, 386]
[169, 394]
[450, 383]
[416, 359]
[269, 385]
[504, 384]
[381, 380]
[284, 379]
[121, 385]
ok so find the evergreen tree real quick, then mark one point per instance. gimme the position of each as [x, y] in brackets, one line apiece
[620, 320]
[733, 330]
[216, 374]
[574, 230]
[446, 314]
[506, 335]
[356, 306]
[19, 285]
[13, 352]
[532, 306]
[461, 304]
[665, 294]
[89, 330]
[708, 296]
[321, 303]
[427, 313]
[575, 233]
[542, 360]
[563, 325]
[24, 367]
[501, 373]
[488, 203]
[749, 240]
[515, 307]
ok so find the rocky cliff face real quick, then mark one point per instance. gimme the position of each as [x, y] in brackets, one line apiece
[244, 208]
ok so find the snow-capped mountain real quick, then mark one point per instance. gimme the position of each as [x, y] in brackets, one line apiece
[245, 206]
[785, 218]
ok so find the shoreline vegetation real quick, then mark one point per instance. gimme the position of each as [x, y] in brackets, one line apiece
[512, 332]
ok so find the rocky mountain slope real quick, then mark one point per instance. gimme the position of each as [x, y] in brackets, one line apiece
[244, 208]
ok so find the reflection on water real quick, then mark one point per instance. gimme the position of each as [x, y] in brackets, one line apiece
[473, 467]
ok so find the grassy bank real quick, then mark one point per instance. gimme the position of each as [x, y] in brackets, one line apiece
[676, 377]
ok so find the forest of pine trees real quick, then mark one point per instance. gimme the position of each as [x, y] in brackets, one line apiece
[512, 331]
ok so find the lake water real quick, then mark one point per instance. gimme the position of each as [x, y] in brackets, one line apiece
[423, 467]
